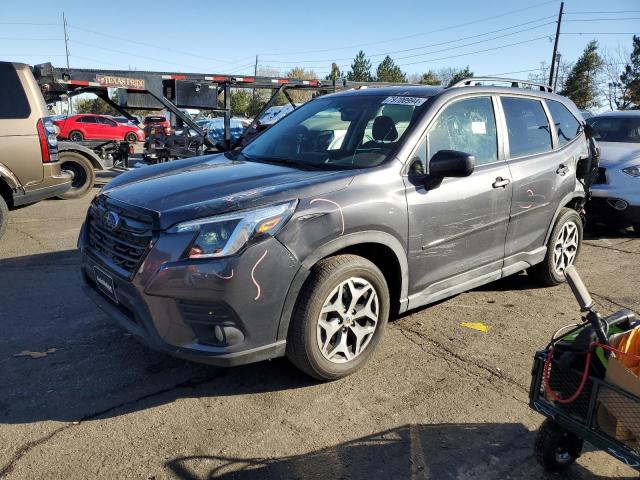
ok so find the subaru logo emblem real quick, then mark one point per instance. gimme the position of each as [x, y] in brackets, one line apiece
[111, 220]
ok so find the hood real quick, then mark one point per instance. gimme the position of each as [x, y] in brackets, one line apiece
[617, 153]
[211, 185]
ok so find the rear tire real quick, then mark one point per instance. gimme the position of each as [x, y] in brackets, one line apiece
[131, 137]
[4, 216]
[636, 228]
[563, 248]
[76, 136]
[83, 173]
[556, 448]
[339, 318]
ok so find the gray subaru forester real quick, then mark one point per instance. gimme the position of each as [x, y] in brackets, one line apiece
[355, 206]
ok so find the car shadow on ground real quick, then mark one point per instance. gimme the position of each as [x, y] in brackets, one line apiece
[86, 366]
[440, 451]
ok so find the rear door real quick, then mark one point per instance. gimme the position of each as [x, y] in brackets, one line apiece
[457, 228]
[542, 175]
[21, 107]
[91, 126]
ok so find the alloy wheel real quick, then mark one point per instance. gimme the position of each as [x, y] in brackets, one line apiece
[348, 320]
[565, 248]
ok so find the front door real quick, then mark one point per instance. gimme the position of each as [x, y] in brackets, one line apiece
[457, 227]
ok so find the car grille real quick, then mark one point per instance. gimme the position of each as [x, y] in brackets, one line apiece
[602, 176]
[124, 247]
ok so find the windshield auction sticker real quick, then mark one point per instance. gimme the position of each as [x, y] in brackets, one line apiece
[396, 100]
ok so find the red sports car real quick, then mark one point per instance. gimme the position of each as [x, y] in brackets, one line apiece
[97, 127]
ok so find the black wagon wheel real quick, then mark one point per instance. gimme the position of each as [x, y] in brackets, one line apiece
[555, 447]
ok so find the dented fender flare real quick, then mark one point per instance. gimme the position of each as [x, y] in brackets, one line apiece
[576, 194]
[332, 247]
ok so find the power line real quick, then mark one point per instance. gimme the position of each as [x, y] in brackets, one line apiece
[32, 38]
[598, 13]
[601, 19]
[150, 45]
[433, 44]
[599, 33]
[415, 34]
[476, 51]
[31, 24]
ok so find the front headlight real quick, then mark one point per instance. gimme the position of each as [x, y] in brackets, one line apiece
[226, 234]
[634, 170]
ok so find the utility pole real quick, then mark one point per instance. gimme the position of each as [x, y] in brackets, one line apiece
[555, 82]
[66, 48]
[555, 45]
[66, 37]
[255, 74]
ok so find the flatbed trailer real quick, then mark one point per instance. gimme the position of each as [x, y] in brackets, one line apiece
[176, 91]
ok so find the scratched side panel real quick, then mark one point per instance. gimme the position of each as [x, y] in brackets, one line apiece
[374, 201]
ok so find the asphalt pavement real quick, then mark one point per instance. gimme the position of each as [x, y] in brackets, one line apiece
[80, 398]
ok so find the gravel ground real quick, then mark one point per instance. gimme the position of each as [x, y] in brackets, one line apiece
[438, 400]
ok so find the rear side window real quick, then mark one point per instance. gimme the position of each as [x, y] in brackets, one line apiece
[566, 124]
[528, 127]
[13, 100]
[87, 120]
[107, 121]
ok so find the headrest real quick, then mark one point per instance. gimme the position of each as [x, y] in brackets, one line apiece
[384, 130]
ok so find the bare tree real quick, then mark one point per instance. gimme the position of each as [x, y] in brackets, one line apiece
[612, 90]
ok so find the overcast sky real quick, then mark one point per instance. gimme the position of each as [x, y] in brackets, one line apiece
[491, 36]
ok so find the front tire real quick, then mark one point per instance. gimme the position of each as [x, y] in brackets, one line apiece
[4, 216]
[339, 318]
[556, 448]
[563, 248]
[82, 171]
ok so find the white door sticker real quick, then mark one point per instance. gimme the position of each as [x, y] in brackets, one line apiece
[414, 101]
[479, 128]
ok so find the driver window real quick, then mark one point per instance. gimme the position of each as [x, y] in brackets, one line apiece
[468, 126]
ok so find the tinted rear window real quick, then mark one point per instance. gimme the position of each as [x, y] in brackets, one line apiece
[566, 124]
[13, 100]
[529, 131]
[155, 119]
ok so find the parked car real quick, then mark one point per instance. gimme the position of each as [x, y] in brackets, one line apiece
[97, 127]
[304, 242]
[586, 114]
[124, 120]
[616, 192]
[158, 122]
[29, 165]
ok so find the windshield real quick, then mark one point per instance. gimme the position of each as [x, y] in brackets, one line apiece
[348, 131]
[616, 129]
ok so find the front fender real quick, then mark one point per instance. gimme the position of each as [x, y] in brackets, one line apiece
[336, 245]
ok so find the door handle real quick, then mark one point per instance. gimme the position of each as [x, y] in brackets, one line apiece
[562, 169]
[501, 182]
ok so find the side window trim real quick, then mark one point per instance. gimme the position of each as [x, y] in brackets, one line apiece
[497, 110]
[507, 145]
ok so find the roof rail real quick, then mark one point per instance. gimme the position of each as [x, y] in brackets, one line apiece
[471, 81]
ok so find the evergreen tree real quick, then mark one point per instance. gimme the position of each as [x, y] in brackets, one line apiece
[360, 69]
[630, 80]
[335, 72]
[388, 71]
[240, 100]
[581, 84]
[429, 78]
[460, 75]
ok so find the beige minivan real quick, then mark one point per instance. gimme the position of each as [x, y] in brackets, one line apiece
[29, 166]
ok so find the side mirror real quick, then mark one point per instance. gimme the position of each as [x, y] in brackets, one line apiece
[451, 163]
